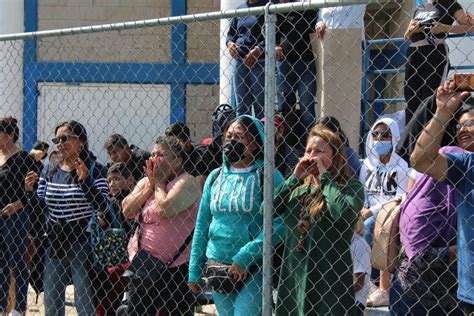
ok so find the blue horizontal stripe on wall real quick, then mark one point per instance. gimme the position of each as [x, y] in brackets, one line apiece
[133, 73]
[177, 73]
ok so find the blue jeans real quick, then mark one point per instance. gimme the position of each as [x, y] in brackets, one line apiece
[248, 87]
[77, 263]
[369, 225]
[248, 301]
[401, 304]
[298, 77]
[13, 247]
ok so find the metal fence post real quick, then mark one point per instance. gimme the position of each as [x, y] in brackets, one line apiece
[269, 164]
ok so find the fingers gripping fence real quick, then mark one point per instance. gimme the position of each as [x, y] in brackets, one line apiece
[130, 213]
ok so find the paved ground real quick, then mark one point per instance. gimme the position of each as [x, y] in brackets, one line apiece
[37, 309]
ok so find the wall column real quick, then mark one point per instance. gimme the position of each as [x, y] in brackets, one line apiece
[225, 59]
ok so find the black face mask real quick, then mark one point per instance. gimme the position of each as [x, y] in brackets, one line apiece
[233, 150]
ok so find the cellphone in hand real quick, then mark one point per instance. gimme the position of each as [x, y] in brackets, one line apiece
[464, 82]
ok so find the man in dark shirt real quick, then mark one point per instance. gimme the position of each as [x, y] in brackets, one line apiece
[119, 150]
[193, 163]
[286, 157]
[297, 69]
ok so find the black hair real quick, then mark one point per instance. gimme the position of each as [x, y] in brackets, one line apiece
[40, 145]
[179, 130]
[79, 130]
[173, 144]
[333, 125]
[221, 117]
[115, 141]
[466, 107]
[54, 152]
[9, 125]
[120, 168]
[253, 131]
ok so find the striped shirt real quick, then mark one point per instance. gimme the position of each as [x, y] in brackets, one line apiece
[68, 200]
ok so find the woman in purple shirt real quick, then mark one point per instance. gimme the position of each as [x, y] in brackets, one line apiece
[426, 279]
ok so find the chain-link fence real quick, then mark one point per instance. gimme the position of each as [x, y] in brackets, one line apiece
[139, 174]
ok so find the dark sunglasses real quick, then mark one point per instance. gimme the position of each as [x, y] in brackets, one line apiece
[384, 134]
[466, 124]
[63, 138]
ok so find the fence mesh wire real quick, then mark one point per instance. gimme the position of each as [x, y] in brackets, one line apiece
[132, 184]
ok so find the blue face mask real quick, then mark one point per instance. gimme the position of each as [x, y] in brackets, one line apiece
[382, 147]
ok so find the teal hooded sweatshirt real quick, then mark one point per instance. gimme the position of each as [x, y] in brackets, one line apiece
[229, 226]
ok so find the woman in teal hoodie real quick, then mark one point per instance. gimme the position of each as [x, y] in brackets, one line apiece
[229, 227]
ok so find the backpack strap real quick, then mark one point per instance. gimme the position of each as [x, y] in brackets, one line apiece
[91, 170]
[215, 176]
[115, 223]
[181, 249]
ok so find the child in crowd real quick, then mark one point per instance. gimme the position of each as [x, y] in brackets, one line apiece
[39, 152]
[110, 285]
[361, 252]
[54, 157]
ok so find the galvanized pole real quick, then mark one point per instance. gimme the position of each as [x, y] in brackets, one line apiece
[269, 156]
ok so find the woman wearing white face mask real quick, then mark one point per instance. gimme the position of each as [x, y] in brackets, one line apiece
[385, 176]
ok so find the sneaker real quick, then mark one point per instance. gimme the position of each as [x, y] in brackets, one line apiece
[378, 298]
[16, 313]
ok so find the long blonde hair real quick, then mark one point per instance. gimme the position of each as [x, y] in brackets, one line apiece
[338, 169]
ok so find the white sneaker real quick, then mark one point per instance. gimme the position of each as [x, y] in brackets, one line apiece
[16, 313]
[378, 298]
[373, 288]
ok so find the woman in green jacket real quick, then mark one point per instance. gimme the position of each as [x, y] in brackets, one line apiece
[320, 204]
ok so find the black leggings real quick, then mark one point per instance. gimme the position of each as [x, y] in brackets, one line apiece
[170, 294]
[425, 69]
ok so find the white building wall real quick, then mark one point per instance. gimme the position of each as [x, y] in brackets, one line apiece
[11, 60]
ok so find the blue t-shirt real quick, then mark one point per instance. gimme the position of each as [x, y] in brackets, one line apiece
[461, 176]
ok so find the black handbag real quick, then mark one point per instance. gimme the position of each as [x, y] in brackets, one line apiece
[145, 266]
[216, 276]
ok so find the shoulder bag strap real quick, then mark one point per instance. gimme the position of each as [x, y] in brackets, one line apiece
[181, 249]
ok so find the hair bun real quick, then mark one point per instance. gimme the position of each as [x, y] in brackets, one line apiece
[10, 120]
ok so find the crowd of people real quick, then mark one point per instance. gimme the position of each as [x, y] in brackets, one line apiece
[182, 230]
[185, 215]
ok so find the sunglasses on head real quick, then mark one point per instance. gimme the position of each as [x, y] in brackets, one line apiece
[381, 134]
[466, 124]
[63, 138]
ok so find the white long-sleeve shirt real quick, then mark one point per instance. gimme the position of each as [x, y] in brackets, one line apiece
[343, 17]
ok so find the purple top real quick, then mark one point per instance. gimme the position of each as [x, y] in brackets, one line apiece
[428, 215]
